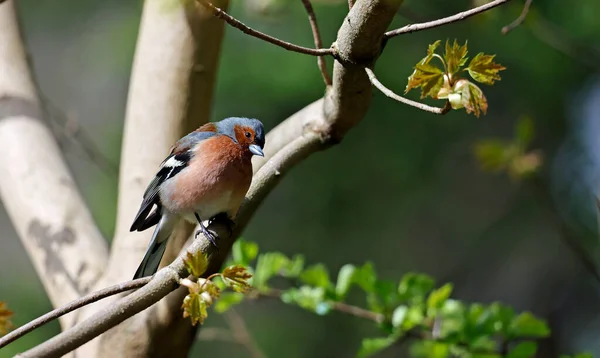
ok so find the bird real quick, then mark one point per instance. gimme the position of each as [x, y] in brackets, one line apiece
[205, 177]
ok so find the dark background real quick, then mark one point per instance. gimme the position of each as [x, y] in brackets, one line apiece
[403, 189]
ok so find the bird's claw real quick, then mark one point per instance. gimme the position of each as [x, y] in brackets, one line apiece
[210, 237]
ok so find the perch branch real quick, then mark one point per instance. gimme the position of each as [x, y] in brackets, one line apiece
[72, 306]
[249, 31]
[446, 20]
[519, 20]
[386, 91]
[312, 18]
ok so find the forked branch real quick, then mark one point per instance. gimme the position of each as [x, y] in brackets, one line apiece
[254, 33]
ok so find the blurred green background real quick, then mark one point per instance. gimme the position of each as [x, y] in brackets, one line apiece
[403, 189]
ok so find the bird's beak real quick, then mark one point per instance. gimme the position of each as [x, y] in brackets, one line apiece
[255, 149]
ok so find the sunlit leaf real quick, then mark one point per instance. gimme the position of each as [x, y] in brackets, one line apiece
[438, 297]
[316, 275]
[307, 297]
[5, 315]
[293, 268]
[344, 280]
[527, 325]
[365, 277]
[237, 277]
[455, 56]
[431, 349]
[227, 300]
[268, 265]
[243, 252]
[430, 78]
[194, 306]
[370, 346]
[523, 350]
[414, 287]
[483, 68]
[399, 315]
[196, 264]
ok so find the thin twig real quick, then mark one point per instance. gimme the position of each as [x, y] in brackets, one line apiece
[443, 21]
[312, 18]
[78, 303]
[337, 306]
[249, 31]
[519, 20]
[386, 91]
[241, 333]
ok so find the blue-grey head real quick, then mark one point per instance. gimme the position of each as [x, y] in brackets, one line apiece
[248, 132]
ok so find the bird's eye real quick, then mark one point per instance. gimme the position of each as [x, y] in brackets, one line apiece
[248, 135]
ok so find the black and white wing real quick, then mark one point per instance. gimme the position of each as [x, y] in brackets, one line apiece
[170, 167]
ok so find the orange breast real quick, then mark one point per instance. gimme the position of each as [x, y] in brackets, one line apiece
[216, 179]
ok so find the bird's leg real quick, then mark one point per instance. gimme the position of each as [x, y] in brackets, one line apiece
[223, 217]
[209, 235]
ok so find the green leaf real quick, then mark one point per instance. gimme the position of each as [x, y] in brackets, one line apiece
[227, 300]
[527, 325]
[294, 267]
[438, 297]
[196, 264]
[524, 131]
[455, 56]
[414, 317]
[194, 306]
[236, 277]
[453, 318]
[370, 346]
[244, 252]
[384, 297]
[430, 349]
[491, 155]
[344, 280]
[500, 317]
[523, 350]
[267, 265]
[414, 287]
[307, 297]
[430, 78]
[483, 68]
[316, 275]
[399, 315]
[365, 277]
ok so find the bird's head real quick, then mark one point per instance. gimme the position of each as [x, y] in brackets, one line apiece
[248, 132]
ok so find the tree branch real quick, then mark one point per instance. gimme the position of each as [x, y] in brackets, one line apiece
[170, 94]
[72, 306]
[336, 306]
[392, 95]
[249, 31]
[519, 20]
[312, 18]
[446, 20]
[242, 335]
[36, 187]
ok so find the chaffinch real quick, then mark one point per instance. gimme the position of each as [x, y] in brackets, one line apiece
[207, 174]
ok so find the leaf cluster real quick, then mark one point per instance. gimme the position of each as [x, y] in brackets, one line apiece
[203, 292]
[513, 156]
[446, 82]
[412, 309]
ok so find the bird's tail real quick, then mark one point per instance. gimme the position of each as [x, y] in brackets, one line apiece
[156, 248]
